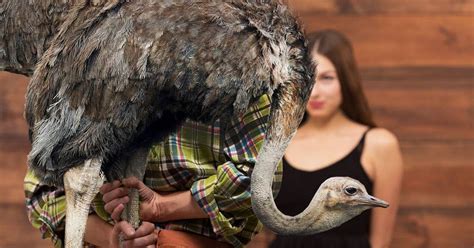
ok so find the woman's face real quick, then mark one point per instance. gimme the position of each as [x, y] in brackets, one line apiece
[326, 97]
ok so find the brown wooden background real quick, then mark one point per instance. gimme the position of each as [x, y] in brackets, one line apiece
[417, 62]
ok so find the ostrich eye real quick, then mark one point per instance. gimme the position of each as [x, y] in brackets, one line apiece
[350, 190]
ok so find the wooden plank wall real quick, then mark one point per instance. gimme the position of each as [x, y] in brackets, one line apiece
[417, 62]
[15, 230]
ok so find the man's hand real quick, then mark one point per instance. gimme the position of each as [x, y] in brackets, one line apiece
[154, 207]
[115, 196]
[144, 236]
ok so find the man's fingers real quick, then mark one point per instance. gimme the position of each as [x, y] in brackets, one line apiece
[142, 241]
[110, 206]
[146, 194]
[109, 186]
[144, 229]
[117, 212]
[133, 182]
[115, 193]
[144, 236]
[125, 228]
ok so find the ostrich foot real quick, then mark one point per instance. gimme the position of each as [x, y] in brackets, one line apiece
[81, 184]
[131, 212]
[136, 166]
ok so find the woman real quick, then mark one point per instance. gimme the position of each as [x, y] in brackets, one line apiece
[339, 138]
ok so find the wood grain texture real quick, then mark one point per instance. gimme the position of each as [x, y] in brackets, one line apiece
[16, 231]
[423, 103]
[14, 164]
[403, 40]
[364, 7]
[434, 228]
[440, 186]
[435, 154]
[12, 99]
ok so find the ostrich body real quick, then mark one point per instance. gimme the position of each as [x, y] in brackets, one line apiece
[112, 77]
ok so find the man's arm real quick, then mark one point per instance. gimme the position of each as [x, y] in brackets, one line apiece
[97, 231]
[154, 207]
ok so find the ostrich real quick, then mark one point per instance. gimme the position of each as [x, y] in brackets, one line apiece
[111, 77]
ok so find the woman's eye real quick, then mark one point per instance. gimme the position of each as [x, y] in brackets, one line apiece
[326, 78]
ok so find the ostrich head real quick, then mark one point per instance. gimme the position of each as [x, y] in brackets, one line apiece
[339, 199]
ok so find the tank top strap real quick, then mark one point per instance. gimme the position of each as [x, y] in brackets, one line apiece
[360, 147]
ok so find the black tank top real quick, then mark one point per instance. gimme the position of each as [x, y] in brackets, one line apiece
[297, 190]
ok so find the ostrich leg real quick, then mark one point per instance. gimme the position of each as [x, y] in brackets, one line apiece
[81, 184]
[136, 166]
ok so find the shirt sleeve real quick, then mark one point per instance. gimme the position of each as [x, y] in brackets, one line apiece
[46, 208]
[225, 196]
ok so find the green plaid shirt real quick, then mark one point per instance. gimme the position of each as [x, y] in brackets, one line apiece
[214, 165]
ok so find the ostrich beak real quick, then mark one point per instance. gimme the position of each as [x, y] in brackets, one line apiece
[373, 201]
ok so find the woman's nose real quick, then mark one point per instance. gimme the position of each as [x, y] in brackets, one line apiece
[316, 90]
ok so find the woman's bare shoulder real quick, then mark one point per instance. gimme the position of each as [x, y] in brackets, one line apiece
[381, 138]
[381, 143]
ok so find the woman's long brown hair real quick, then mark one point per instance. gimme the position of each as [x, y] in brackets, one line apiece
[338, 49]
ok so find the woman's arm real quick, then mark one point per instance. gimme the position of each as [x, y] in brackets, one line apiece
[385, 157]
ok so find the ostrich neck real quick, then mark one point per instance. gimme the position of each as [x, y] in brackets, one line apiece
[311, 220]
[288, 106]
[26, 29]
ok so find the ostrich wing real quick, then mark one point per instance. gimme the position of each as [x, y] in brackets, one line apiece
[114, 71]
